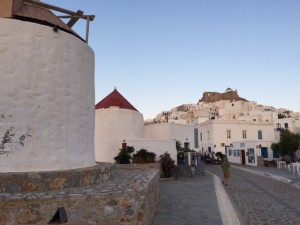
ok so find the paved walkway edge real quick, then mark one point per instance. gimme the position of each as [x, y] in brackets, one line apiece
[279, 178]
[226, 209]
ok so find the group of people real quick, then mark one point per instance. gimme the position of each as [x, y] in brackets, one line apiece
[211, 158]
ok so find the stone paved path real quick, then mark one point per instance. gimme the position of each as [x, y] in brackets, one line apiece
[188, 201]
[260, 200]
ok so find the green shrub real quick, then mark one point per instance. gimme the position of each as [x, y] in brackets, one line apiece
[143, 156]
[124, 155]
[167, 164]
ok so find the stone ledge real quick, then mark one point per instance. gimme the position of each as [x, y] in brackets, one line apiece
[131, 197]
[55, 180]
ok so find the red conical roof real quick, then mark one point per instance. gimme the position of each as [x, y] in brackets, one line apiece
[115, 99]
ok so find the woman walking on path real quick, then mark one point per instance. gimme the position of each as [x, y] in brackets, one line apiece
[225, 167]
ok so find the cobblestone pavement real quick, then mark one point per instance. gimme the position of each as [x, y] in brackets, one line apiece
[261, 200]
[188, 201]
[274, 172]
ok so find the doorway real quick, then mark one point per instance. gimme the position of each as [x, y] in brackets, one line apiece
[243, 157]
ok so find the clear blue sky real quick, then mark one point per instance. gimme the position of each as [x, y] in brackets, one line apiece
[164, 53]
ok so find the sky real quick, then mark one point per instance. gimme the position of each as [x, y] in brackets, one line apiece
[160, 54]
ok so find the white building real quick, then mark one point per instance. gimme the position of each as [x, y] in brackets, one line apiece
[118, 122]
[188, 135]
[235, 125]
[222, 135]
[218, 116]
[291, 124]
[248, 152]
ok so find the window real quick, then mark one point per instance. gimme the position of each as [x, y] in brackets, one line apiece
[228, 134]
[196, 140]
[286, 125]
[244, 134]
[186, 145]
[237, 152]
[275, 154]
[264, 152]
[208, 137]
[260, 137]
[234, 152]
[201, 136]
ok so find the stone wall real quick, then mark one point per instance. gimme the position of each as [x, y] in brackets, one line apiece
[216, 96]
[130, 197]
[55, 180]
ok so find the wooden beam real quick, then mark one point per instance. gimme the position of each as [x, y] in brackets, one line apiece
[17, 5]
[87, 30]
[73, 20]
[9, 7]
[91, 17]
[48, 6]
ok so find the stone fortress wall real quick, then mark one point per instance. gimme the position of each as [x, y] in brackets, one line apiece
[216, 96]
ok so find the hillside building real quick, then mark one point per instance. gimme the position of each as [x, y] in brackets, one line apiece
[224, 122]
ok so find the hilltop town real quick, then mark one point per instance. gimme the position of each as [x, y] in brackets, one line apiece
[226, 123]
[219, 122]
[224, 106]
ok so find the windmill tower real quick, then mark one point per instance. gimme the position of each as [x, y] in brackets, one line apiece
[46, 89]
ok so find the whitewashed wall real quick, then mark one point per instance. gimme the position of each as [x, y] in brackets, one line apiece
[113, 125]
[291, 123]
[235, 157]
[172, 132]
[159, 147]
[184, 133]
[218, 133]
[46, 99]
[234, 108]
[160, 131]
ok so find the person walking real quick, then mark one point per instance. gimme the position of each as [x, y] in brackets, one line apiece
[225, 167]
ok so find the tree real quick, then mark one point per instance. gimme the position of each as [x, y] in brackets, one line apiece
[180, 153]
[124, 155]
[288, 144]
[178, 146]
